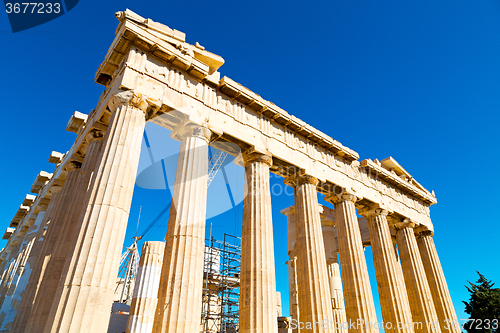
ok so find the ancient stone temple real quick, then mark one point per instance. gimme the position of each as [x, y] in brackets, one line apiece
[59, 267]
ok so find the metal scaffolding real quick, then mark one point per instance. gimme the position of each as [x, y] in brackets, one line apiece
[129, 263]
[221, 285]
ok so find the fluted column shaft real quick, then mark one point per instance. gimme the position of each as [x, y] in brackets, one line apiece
[358, 297]
[48, 239]
[13, 263]
[85, 292]
[314, 292]
[65, 232]
[338, 308]
[36, 261]
[293, 291]
[393, 298]
[145, 297]
[419, 294]
[258, 282]
[51, 242]
[334, 280]
[437, 283]
[3, 264]
[11, 302]
[179, 296]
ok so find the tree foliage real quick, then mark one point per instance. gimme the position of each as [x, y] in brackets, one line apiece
[483, 307]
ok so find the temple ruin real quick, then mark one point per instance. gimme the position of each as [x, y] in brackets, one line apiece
[60, 265]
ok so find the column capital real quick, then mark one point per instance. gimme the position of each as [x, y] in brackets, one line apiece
[422, 231]
[72, 165]
[341, 197]
[42, 205]
[251, 155]
[372, 211]
[189, 128]
[56, 188]
[94, 134]
[300, 178]
[327, 216]
[332, 260]
[288, 211]
[306, 179]
[406, 223]
[128, 97]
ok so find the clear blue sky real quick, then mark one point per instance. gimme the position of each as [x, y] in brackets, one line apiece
[416, 80]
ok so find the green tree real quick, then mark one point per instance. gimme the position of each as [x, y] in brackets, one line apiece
[483, 307]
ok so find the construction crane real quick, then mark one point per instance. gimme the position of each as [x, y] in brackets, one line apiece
[215, 162]
[129, 262]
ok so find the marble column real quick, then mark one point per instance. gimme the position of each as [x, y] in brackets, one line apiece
[7, 308]
[4, 260]
[65, 232]
[16, 300]
[258, 282]
[333, 268]
[36, 261]
[393, 298]
[84, 296]
[145, 297]
[358, 297]
[419, 294]
[398, 258]
[47, 241]
[437, 283]
[72, 169]
[293, 291]
[16, 258]
[314, 291]
[279, 308]
[181, 283]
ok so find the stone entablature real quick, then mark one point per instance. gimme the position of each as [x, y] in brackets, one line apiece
[56, 157]
[41, 179]
[8, 233]
[20, 214]
[167, 44]
[76, 122]
[136, 62]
